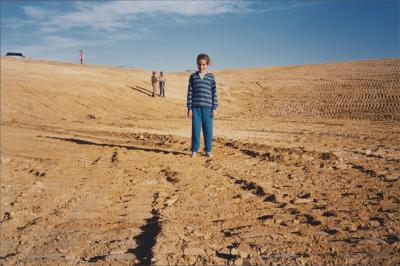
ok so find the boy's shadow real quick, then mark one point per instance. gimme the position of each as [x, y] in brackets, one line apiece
[142, 90]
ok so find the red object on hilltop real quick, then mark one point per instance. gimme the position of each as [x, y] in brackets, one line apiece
[81, 55]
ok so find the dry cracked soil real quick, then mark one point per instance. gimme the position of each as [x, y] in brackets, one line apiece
[306, 167]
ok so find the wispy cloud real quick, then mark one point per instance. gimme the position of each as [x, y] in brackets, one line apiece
[286, 5]
[92, 23]
[98, 23]
[114, 15]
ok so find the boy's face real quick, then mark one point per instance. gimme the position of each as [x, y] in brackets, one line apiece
[202, 65]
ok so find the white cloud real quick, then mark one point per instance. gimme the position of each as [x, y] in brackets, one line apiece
[104, 23]
[115, 15]
[97, 23]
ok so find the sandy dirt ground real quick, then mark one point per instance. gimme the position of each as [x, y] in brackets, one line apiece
[94, 170]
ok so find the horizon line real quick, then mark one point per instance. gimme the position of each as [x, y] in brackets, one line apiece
[186, 70]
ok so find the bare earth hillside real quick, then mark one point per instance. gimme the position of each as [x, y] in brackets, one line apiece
[306, 167]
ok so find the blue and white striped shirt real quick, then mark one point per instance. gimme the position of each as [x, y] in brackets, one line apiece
[202, 92]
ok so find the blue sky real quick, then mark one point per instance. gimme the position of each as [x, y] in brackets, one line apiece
[167, 35]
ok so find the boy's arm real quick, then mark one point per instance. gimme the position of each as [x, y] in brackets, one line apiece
[189, 94]
[214, 95]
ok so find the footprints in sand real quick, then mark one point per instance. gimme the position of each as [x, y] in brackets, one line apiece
[285, 212]
[253, 188]
[32, 168]
[171, 176]
[301, 158]
[281, 200]
[37, 173]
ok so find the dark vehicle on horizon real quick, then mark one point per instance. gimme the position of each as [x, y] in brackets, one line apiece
[15, 54]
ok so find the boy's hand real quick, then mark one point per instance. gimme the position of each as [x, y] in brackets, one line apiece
[189, 113]
[213, 113]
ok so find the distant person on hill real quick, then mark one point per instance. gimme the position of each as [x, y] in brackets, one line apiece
[162, 80]
[81, 55]
[154, 81]
[202, 103]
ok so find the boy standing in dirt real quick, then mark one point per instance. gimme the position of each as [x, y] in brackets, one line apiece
[154, 81]
[162, 80]
[202, 103]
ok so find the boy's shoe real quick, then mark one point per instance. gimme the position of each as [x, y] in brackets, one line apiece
[194, 154]
[209, 154]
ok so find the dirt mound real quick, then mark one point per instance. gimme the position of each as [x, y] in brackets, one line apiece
[95, 170]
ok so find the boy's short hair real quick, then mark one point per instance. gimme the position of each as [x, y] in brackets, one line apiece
[203, 57]
[154, 72]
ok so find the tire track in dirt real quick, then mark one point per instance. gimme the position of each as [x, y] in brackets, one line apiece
[84, 212]
[147, 239]
[218, 212]
[254, 154]
[307, 209]
[329, 91]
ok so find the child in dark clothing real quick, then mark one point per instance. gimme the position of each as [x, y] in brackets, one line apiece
[162, 81]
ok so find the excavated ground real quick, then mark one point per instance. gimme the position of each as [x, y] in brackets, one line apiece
[306, 167]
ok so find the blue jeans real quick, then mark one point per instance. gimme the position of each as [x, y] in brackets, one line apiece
[162, 86]
[202, 119]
